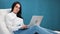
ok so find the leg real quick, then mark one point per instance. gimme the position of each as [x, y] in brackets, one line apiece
[30, 30]
[34, 29]
[41, 30]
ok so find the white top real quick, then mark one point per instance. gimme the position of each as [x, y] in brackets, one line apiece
[13, 22]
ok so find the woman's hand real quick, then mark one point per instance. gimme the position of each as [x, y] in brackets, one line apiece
[24, 26]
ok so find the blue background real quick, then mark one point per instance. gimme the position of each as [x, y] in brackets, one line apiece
[50, 9]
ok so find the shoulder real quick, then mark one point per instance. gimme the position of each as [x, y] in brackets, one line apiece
[9, 15]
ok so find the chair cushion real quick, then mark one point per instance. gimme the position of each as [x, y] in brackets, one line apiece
[3, 28]
[3, 12]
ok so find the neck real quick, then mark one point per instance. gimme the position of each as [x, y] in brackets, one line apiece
[14, 12]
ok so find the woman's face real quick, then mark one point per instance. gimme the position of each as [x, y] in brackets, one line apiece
[16, 8]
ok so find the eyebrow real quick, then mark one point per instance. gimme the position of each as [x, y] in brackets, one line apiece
[16, 6]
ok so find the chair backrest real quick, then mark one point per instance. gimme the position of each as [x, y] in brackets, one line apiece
[3, 28]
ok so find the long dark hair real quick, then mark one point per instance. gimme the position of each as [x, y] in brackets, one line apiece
[19, 13]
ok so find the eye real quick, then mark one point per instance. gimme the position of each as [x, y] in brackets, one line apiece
[16, 6]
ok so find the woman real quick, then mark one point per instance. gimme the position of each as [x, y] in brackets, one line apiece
[14, 22]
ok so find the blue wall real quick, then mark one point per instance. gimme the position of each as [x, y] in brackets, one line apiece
[50, 9]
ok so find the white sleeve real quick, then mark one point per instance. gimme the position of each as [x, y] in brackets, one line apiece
[21, 22]
[10, 25]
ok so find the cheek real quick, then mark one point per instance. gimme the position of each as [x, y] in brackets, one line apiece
[17, 9]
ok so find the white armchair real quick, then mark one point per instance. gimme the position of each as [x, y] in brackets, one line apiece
[3, 28]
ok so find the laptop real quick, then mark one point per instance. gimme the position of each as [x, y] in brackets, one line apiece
[36, 20]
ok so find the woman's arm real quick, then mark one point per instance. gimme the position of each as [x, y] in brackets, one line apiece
[10, 25]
